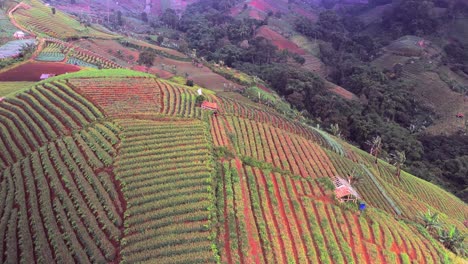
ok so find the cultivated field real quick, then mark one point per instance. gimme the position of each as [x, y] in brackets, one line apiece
[117, 166]
[32, 71]
[40, 20]
[54, 50]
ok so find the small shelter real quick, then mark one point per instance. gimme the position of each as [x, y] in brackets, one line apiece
[460, 115]
[421, 43]
[344, 191]
[46, 76]
[19, 35]
[209, 106]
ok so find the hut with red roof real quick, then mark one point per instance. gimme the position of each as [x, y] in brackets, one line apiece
[210, 106]
[344, 192]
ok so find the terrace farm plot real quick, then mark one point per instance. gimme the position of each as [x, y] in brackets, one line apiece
[40, 20]
[280, 220]
[54, 50]
[6, 28]
[54, 206]
[138, 97]
[103, 167]
[166, 172]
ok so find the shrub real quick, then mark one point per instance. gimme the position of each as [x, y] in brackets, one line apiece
[199, 99]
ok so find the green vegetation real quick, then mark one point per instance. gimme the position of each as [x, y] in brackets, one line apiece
[119, 166]
[248, 180]
[173, 207]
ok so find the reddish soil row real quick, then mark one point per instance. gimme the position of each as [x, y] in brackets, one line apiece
[262, 183]
[255, 248]
[361, 239]
[31, 71]
[227, 242]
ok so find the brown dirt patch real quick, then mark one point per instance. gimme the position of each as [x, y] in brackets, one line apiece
[110, 49]
[160, 73]
[31, 71]
[336, 89]
[201, 76]
[279, 41]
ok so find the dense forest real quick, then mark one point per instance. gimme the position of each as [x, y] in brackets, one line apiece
[386, 109]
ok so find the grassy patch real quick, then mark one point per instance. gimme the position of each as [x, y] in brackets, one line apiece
[10, 87]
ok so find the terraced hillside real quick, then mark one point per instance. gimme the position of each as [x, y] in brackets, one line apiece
[54, 50]
[35, 17]
[100, 166]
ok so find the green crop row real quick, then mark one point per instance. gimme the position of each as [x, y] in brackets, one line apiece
[166, 184]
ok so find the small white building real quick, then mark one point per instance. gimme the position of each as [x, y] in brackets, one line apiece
[45, 76]
[19, 35]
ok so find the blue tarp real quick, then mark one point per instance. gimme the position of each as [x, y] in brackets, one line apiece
[13, 48]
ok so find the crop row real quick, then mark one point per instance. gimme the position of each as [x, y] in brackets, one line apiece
[178, 101]
[85, 58]
[39, 115]
[218, 132]
[63, 212]
[410, 194]
[292, 226]
[429, 193]
[50, 56]
[120, 97]
[40, 20]
[283, 150]
[52, 51]
[167, 188]
[232, 107]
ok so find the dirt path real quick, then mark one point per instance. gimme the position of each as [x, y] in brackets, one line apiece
[13, 21]
[40, 47]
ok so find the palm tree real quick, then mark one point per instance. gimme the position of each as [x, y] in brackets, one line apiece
[399, 158]
[430, 220]
[356, 175]
[299, 115]
[335, 130]
[376, 147]
[453, 240]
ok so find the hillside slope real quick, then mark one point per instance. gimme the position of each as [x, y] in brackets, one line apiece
[430, 79]
[119, 166]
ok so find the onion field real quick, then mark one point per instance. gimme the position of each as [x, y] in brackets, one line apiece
[116, 167]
